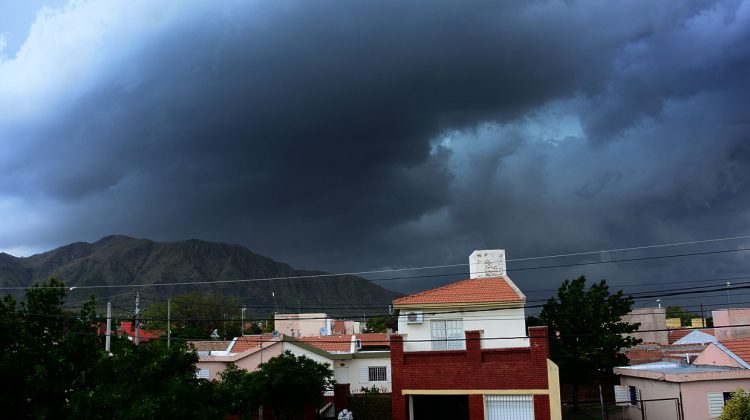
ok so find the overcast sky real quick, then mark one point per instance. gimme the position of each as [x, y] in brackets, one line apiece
[362, 135]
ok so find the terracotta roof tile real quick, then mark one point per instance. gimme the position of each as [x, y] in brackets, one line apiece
[374, 340]
[330, 343]
[740, 347]
[210, 345]
[479, 290]
[248, 341]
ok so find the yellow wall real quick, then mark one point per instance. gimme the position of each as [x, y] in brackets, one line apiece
[553, 381]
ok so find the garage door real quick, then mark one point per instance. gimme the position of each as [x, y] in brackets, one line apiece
[510, 407]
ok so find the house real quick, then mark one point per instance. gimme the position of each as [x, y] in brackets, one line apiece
[731, 323]
[694, 376]
[462, 351]
[127, 329]
[732, 353]
[360, 361]
[245, 353]
[674, 390]
[311, 324]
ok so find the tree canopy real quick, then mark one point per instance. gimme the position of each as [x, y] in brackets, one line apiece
[196, 315]
[738, 407]
[54, 365]
[289, 384]
[380, 324]
[586, 330]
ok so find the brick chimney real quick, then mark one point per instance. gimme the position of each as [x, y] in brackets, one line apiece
[487, 263]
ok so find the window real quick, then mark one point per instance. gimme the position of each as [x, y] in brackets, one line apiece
[716, 402]
[377, 373]
[203, 374]
[447, 334]
[374, 374]
[510, 407]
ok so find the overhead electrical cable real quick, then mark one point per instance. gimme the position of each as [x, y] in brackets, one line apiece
[361, 273]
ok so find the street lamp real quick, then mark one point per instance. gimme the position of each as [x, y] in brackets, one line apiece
[658, 302]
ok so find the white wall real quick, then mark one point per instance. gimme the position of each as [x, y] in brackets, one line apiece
[652, 389]
[359, 372]
[497, 323]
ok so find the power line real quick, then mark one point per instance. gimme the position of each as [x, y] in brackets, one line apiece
[368, 272]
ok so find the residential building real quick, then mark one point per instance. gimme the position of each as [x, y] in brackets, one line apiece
[732, 353]
[127, 329]
[652, 322]
[298, 325]
[674, 391]
[462, 351]
[361, 361]
[732, 323]
[310, 324]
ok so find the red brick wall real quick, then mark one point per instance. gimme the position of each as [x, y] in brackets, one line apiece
[471, 369]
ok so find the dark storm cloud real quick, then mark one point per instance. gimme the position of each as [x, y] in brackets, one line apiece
[349, 136]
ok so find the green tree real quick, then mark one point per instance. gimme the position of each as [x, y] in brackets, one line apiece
[678, 312]
[288, 385]
[379, 324]
[738, 407]
[150, 380]
[236, 392]
[586, 331]
[194, 312]
[46, 353]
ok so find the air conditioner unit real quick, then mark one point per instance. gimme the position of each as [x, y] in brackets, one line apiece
[414, 317]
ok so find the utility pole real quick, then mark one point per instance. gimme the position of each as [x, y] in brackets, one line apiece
[109, 327]
[137, 319]
[242, 326]
[169, 322]
[703, 319]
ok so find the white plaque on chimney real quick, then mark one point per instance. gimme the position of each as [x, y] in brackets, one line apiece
[487, 263]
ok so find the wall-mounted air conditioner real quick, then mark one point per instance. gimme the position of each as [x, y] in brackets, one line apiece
[414, 317]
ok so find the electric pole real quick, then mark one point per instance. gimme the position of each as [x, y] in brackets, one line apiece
[242, 326]
[109, 327]
[137, 319]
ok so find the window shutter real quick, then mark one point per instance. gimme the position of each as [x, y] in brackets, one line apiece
[715, 404]
[388, 373]
[509, 407]
[203, 374]
[364, 375]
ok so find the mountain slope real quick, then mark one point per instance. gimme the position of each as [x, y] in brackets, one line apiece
[121, 260]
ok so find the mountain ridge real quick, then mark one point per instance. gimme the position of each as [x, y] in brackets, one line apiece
[122, 263]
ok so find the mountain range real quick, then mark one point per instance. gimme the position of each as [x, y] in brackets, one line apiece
[119, 265]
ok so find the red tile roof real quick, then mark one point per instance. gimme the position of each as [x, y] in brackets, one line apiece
[374, 340]
[331, 343]
[249, 341]
[203, 345]
[479, 290]
[339, 326]
[126, 327]
[740, 347]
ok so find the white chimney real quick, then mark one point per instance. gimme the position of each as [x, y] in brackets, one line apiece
[487, 263]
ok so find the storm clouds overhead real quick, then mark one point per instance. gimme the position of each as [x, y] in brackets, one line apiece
[361, 135]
